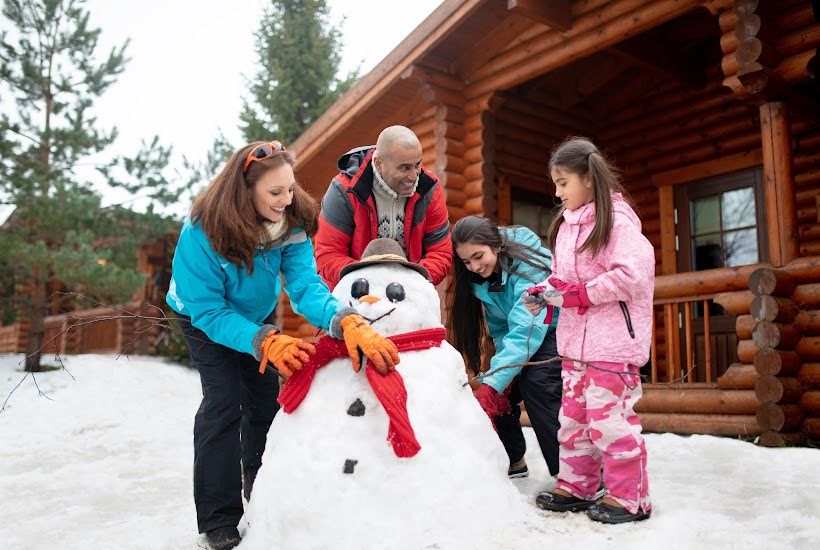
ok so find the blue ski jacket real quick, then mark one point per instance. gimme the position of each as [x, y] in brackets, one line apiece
[229, 305]
[517, 335]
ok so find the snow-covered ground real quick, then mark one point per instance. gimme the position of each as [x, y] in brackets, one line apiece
[106, 463]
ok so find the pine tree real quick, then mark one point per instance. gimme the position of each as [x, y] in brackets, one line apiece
[298, 52]
[49, 69]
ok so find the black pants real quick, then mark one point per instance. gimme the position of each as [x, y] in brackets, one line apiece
[230, 428]
[539, 386]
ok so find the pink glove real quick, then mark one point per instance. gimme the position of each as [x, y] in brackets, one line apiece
[574, 295]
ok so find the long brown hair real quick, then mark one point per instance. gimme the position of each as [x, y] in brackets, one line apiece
[466, 324]
[580, 156]
[226, 213]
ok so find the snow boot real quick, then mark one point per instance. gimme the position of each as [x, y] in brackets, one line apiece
[518, 469]
[607, 513]
[223, 538]
[561, 503]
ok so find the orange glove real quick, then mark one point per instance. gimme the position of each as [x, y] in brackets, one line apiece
[358, 335]
[288, 354]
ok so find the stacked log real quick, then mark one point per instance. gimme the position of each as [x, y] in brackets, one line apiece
[13, 337]
[806, 296]
[777, 360]
[785, 47]
[479, 157]
[807, 189]
[291, 323]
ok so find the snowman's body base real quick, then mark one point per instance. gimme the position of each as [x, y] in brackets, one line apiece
[304, 499]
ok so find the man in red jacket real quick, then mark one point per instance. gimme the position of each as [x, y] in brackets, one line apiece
[384, 192]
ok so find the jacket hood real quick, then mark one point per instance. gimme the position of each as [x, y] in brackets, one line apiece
[586, 214]
[350, 162]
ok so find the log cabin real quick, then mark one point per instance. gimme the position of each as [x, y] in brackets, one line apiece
[709, 108]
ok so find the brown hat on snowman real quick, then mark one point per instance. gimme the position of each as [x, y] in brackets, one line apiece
[383, 251]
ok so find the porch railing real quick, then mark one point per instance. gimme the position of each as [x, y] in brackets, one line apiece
[674, 344]
[673, 322]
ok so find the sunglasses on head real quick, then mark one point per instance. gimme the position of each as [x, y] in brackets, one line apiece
[262, 152]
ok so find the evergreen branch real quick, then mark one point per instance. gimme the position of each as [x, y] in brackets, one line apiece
[21, 134]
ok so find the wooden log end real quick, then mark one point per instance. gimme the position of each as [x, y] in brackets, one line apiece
[771, 438]
[779, 418]
[768, 281]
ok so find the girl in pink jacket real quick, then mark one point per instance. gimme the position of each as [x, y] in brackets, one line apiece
[604, 274]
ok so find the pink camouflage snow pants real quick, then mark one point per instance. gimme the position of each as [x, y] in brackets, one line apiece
[598, 422]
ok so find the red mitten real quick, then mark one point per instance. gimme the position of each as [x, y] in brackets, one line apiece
[574, 295]
[487, 398]
[502, 402]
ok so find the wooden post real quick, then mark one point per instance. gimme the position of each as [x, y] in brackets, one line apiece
[669, 262]
[707, 334]
[654, 349]
[781, 211]
[690, 367]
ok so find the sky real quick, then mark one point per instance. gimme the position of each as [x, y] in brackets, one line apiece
[185, 80]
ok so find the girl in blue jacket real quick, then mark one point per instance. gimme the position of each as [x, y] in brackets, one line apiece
[494, 267]
[249, 227]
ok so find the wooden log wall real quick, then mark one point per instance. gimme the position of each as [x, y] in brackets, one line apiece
[807, 189]
[786, 46]
[776, 46]
[480, 190]
[13, 337]
[775, 338]
[785, 314]
[805, 377]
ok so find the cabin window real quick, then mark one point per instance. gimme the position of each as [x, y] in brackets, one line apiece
[724, 229]
[720, 221]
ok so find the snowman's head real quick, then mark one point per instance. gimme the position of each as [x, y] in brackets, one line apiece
[391, 294]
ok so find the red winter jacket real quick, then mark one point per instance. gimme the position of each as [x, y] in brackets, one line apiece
[348, 221]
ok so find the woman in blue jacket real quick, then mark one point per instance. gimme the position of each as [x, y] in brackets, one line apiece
[493, 269]
[251, 225]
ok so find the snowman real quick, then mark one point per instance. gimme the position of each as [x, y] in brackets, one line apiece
[365, 460]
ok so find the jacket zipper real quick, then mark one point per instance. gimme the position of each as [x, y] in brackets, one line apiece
[627, 318]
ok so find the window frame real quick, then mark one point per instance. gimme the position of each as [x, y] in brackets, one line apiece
[686, 194]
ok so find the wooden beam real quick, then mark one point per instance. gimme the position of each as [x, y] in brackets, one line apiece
[585, 40]
[485, 48]
[669, 263]
[778, 173]
[709, 168]
[555, 14]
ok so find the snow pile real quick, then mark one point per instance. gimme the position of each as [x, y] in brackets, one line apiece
[107, 464]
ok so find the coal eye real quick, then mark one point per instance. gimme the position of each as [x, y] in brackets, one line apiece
[395, 292]
[360, 288]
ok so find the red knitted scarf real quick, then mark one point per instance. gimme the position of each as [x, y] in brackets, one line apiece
[389, 388]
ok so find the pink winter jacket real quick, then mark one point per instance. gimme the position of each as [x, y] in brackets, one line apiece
[624, 271]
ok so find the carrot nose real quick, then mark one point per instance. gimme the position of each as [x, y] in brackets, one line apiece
[369, 299]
